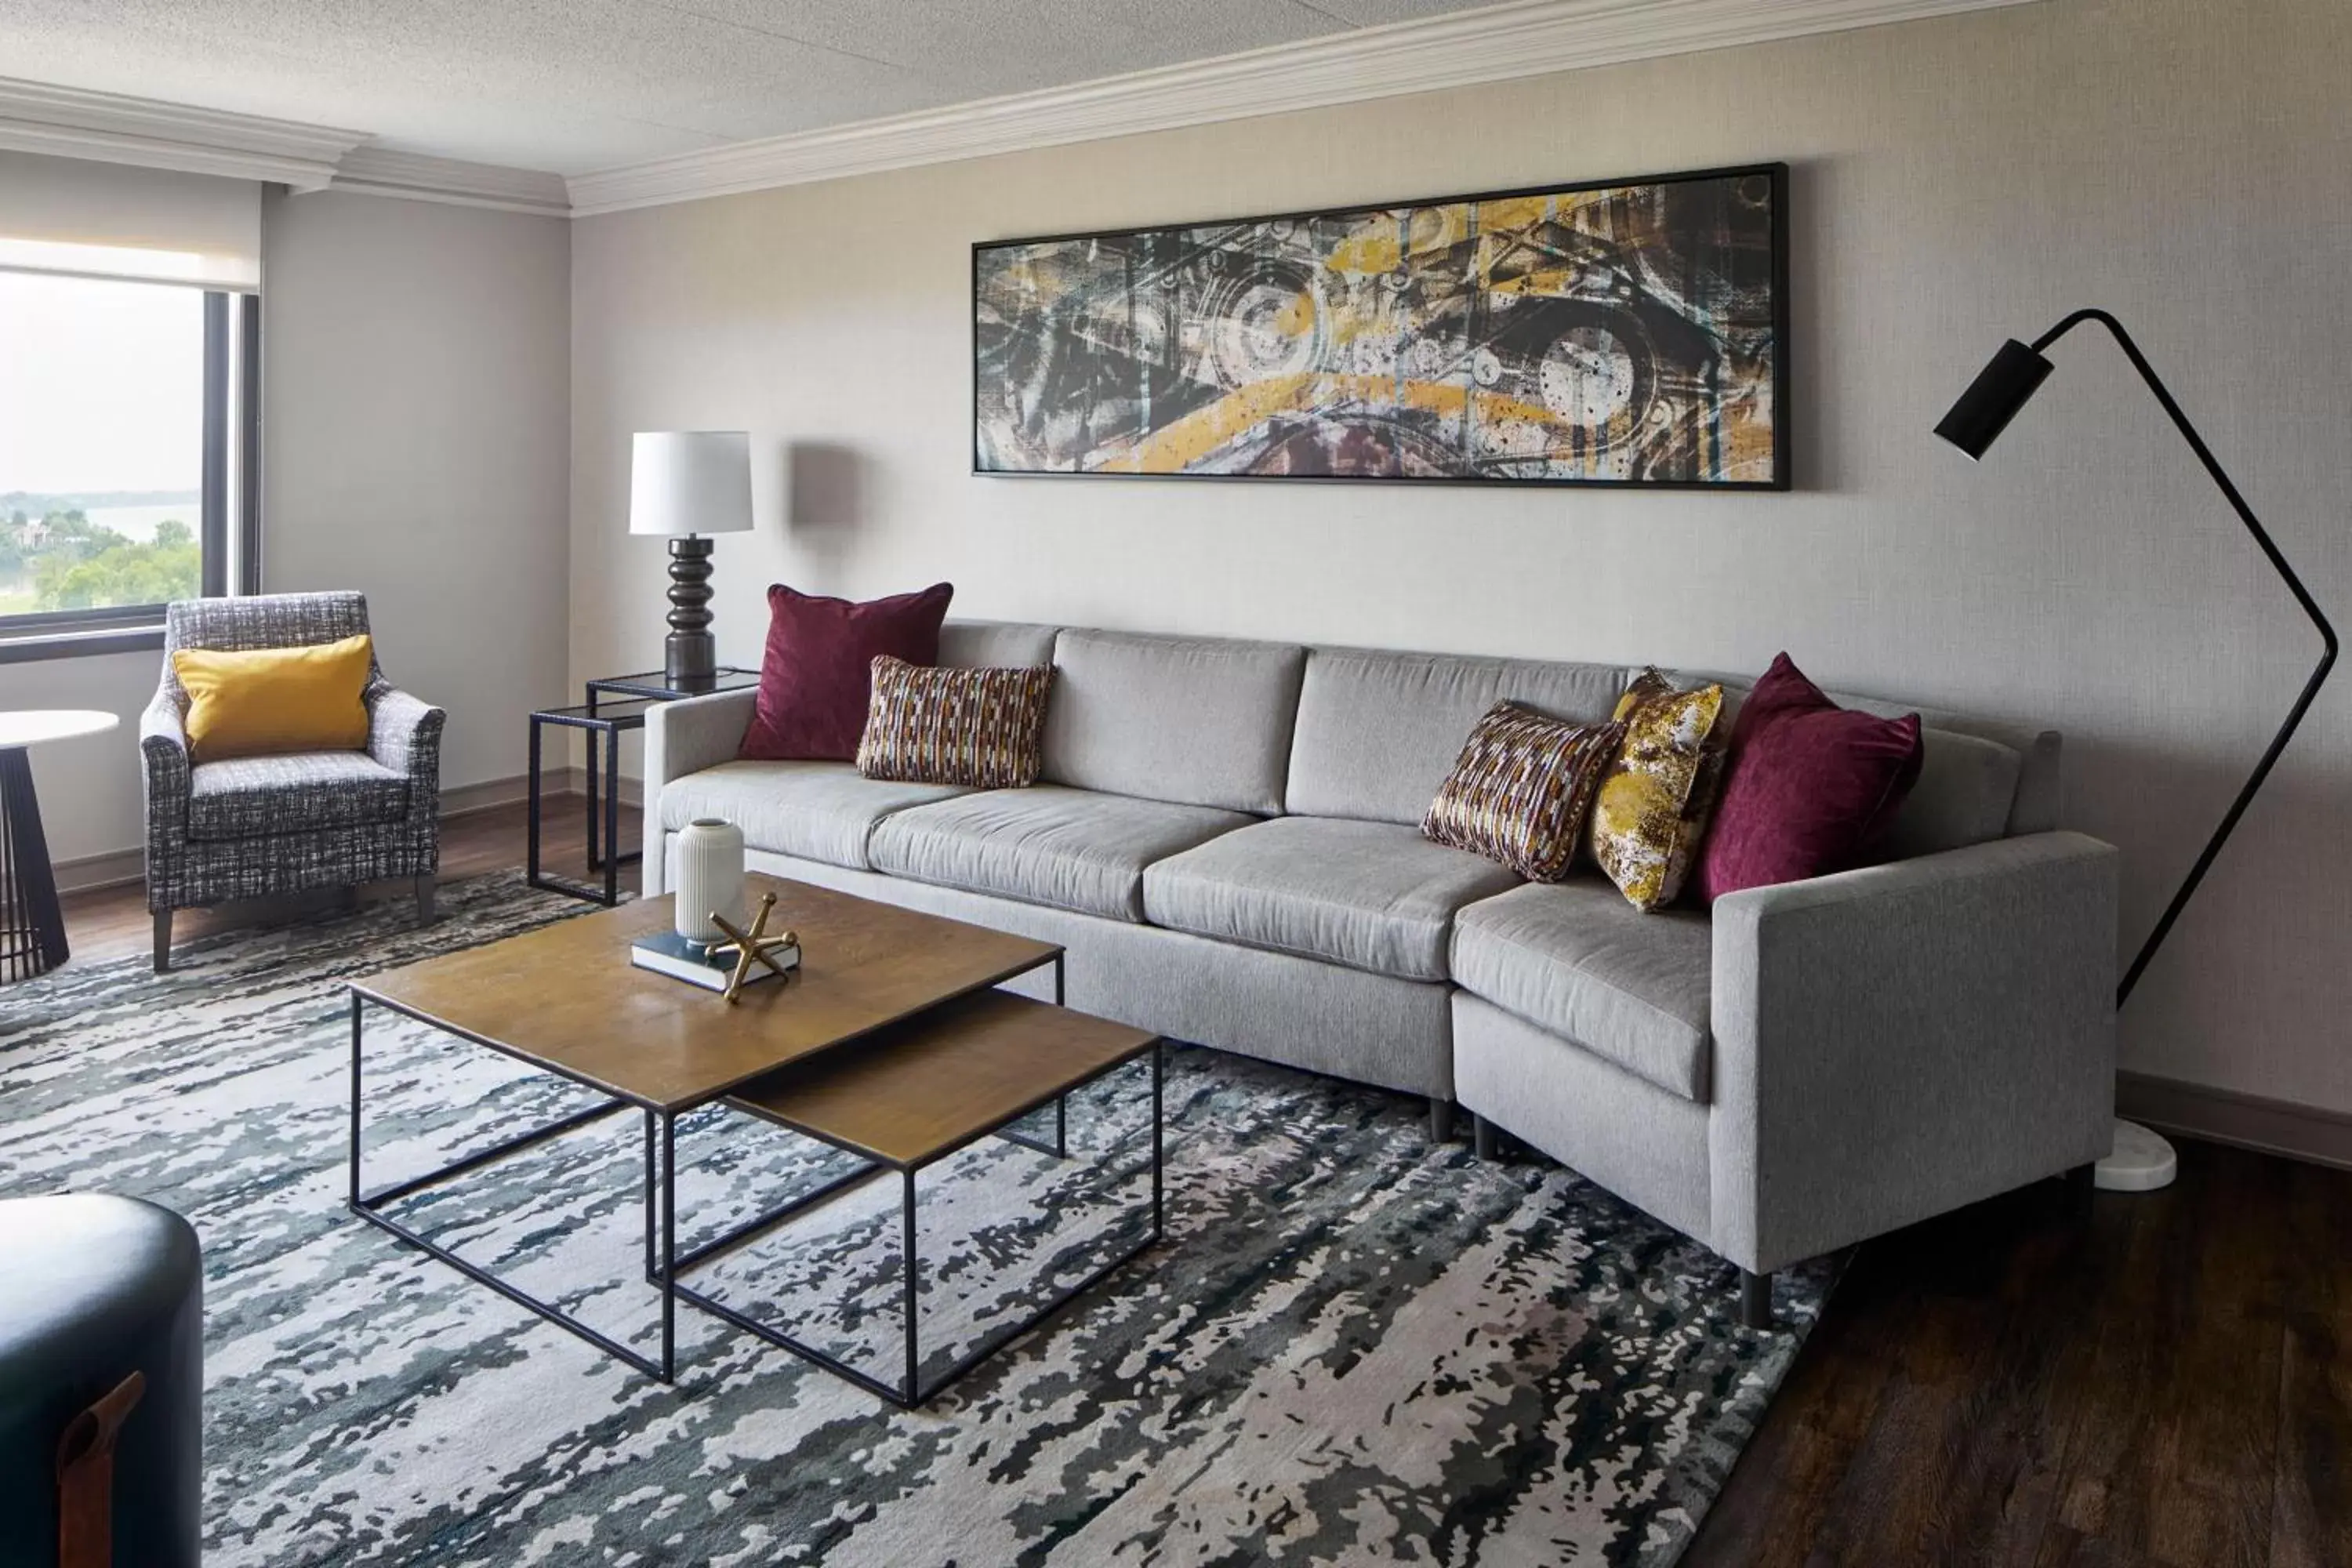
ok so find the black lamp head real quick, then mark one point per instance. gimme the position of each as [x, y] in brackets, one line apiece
[2001, 389]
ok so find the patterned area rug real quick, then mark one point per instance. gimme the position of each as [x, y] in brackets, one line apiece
[1350, 1348]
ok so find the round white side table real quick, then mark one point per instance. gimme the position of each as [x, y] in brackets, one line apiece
[31, 926]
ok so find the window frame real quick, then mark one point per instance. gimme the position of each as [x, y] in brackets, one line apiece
[229, 524]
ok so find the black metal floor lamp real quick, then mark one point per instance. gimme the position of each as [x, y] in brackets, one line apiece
[2141, 1160]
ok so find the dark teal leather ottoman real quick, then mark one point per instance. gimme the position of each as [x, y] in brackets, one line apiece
[101, 1384]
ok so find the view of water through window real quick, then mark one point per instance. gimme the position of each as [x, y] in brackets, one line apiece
[102, 443]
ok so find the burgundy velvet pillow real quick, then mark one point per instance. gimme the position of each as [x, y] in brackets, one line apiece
[1811, 785]
[817, 675]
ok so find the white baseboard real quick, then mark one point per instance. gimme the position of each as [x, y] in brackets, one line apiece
[2253, 1122]
[112, 869]
[120, 868]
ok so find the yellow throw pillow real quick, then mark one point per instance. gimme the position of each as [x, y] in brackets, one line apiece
[256, 701]
[1656, 797]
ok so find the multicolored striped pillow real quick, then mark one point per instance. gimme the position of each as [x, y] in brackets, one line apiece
[932, 725]
[1521, 789]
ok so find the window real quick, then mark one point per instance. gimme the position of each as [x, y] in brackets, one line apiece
[127, 426]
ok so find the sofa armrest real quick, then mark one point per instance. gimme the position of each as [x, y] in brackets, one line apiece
[1895, 1042]
[405, 735]
[681, 737]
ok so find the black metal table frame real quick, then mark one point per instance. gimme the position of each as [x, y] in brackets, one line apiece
[911, 1390]
[648, 687]
[663, 1263]
[611, 729]
[603, 785]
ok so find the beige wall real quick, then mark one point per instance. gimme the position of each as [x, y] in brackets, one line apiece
[2186, 163]
[89, 788]
[415, 372]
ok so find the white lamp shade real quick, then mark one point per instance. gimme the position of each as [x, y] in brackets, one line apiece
[691, 481]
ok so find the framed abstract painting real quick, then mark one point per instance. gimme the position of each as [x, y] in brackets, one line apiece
[1628, 333]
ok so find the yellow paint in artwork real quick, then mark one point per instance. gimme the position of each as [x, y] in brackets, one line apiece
[1372, 251]
[1513, 213]
[1177, 447]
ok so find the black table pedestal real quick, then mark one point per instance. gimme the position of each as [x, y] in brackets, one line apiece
[31, 926]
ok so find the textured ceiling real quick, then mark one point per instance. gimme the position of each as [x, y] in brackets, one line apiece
[573, 85]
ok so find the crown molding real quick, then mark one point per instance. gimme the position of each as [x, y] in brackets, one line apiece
[1531, 38]
[381, 172]
[69, 122]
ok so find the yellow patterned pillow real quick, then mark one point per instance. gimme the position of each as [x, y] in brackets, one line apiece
[1657, 796]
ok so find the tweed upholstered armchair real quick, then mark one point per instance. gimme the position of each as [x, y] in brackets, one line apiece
[248, 827]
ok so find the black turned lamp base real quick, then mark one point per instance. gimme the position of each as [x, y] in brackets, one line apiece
[690, 653]
[690, 661]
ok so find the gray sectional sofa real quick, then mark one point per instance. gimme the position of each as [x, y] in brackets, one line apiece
[1225, 839]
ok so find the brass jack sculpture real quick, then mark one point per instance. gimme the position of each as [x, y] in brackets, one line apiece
[755, 947]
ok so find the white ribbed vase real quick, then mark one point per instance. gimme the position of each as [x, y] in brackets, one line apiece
[709, 878]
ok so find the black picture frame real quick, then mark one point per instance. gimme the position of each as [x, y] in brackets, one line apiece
[1780, 480]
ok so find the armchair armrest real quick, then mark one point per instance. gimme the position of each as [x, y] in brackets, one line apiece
[405, 735]
[1894, 1042]
[163, 751]
[681, 737]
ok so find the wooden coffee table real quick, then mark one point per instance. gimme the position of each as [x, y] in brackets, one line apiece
[890, 1042]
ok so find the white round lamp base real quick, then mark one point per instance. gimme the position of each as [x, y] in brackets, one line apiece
[2140, 1162]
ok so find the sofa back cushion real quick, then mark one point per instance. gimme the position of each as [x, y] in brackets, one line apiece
[1192, 721]
[1978, 779]
[995, 645]
[1378, 731]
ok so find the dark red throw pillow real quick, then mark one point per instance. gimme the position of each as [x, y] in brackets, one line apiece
[1811, 785]
[817, 675]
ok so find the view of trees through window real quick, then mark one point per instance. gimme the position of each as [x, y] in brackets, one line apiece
[102, 443]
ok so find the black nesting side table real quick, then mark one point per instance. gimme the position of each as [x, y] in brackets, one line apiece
[616, 704]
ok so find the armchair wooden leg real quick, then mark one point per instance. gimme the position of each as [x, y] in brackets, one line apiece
[162, 941]
[1482, 1137]
[1441, 1120]
[425, 898]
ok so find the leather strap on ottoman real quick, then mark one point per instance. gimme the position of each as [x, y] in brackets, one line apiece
[85, 1478]
[101, 1385]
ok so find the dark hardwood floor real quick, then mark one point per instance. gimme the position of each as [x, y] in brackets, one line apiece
[2166, 1379]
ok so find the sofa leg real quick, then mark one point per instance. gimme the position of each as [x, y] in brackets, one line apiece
[425, 898]
[1441, 1120]
[1756, 1299]
[1482, 1137]
[162, 941]
[2080, 1182]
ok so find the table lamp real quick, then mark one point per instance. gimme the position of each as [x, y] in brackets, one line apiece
[687, 485]
[2141, 1159]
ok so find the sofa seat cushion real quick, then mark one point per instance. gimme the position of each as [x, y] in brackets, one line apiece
[1577, 959]
[292, 792]
[814, 810]
[1069, 849]
[1370, 895]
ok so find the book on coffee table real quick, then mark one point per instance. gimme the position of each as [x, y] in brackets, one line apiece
[666, 952]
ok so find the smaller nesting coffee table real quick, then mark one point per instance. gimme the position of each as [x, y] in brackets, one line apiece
[890, 1043]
